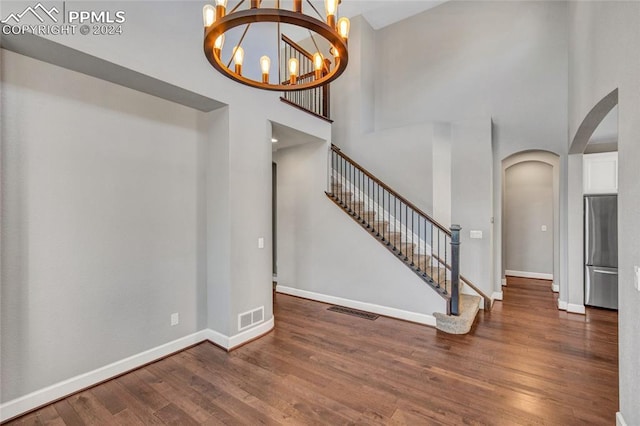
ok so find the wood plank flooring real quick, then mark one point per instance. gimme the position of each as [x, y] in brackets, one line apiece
[525, 363]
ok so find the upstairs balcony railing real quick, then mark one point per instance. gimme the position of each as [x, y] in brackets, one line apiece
[314, 101]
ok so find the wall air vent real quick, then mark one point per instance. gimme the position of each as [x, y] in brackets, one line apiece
[251, 318]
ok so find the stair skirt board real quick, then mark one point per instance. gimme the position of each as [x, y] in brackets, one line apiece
[47, 395]
[532, 275]
[394, 224]
[386, 311]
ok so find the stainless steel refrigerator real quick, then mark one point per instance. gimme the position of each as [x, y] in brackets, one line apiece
[601, 251]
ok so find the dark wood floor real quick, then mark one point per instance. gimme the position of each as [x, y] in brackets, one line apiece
[523, 363]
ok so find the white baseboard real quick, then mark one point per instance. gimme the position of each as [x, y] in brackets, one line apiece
[555, 287]
[59, 390]
[620, 420]
[533, 275]
[562, 305]
[576, 309]
[23, 404]
[363, 306]
[503, 282]
[496, 295]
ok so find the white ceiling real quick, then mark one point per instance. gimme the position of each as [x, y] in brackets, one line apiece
[287, 137]
[380, 13]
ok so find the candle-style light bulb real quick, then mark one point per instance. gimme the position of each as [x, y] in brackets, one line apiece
[331, 8]
[217, 45]
[238, 58]
[293, 70]
[344, 25]
[318, 65]
[221, 8]
[265, 65]
[208, 15]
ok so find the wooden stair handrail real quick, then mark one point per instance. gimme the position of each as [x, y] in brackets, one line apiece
[395, 193]
[488, 302]
[297, 47]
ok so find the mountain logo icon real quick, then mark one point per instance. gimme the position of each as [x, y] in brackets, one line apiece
[39, 11]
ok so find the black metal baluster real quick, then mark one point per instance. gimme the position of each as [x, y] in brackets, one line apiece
[413, 254]
[432, 248]
[419, 245]
[446, 246]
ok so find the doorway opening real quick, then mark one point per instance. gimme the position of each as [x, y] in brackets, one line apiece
[530, 211]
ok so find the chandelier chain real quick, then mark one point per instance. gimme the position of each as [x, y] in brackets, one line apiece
[239, 44]
[237, 6]
[314, 8]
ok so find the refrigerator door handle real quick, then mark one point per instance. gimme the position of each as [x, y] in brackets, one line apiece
[587, 290]
[602, 271]
[587, 230]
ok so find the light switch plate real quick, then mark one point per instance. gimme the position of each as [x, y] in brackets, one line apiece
[476, 235]
[544, 228]
[175, 319]
[636, 277]
[260, 243]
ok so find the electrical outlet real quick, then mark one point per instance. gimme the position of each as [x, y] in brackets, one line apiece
[175, 319]
[544, 228]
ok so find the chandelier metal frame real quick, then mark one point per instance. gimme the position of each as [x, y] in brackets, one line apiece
[255, 14]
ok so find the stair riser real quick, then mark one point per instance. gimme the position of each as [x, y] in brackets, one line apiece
[380, 227]
[368, 216]
[344, 196]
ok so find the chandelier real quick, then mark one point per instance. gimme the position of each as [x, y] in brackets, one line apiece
[324, 60]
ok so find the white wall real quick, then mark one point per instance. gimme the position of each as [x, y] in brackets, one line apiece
[472, 198]
[602, 35]
[214, 161]
[529, 205]
[99, 224]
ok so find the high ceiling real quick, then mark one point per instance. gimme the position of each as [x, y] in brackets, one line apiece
[380, 13]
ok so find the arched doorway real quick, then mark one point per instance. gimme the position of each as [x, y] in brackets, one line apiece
[528, 206]
[531, 218]
[574, 294]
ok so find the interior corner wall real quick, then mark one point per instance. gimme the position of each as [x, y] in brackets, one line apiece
[472, 198]
[352, 94]
[250, 160]
[214, 195]
[322, 250]
[602, 35]
[99, 224]
[442, 173]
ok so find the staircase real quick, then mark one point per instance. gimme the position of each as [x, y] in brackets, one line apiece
[429, 249]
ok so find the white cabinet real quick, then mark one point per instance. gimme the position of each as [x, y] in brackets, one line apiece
[600, 173]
